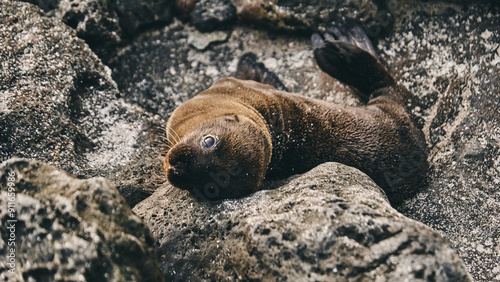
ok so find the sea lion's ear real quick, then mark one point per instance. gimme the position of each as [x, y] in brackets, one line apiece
[232, 117]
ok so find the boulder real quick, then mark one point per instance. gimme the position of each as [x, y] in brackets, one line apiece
[104, 25]
[209, 15]
[331, 223]
[450, 59]
[61, 106]
[65, 229]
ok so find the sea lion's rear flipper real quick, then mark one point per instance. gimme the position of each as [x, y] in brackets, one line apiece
[347, 54]
[249, 69]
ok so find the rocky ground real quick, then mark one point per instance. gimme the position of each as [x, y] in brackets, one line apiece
[329, 224]
[90, 96]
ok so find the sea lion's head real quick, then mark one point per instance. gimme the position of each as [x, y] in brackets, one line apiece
[226, 157]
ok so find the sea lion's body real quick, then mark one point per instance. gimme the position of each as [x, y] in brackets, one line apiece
[268, 133]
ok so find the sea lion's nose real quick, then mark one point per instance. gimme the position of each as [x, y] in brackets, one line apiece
[178, 168]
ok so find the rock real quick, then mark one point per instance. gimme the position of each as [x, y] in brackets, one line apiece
[69, 229]
[104, 24]
[201, 41]
[328, 224]
[59, 105]
[209, 15]
[450, 59]
[135, 15]
[296, 15]
[95, 22]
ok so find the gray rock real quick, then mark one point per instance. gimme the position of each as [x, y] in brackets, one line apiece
[450, 59]
[209, 15]
[104, 24]
[95, 21]
[201, 41]
[69, 229]
[59, 105]
[331, 223]
[135, 15]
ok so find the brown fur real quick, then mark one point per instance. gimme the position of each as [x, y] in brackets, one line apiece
[266, 132]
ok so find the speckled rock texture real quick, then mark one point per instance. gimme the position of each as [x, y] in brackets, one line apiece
[209, 15]
[452, 63]
[331, 223]
[105, 24]
[59, 105]
[446, 54]
[69, 229]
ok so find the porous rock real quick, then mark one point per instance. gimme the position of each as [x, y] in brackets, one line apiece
[67, 229]
[331, 223]
[59, 105]
[104, 24]
[209, 15]
[449, 56]
[135, 15]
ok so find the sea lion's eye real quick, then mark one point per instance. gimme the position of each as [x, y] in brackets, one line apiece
[208, 141]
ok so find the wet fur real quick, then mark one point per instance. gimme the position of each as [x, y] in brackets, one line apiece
[275, 134]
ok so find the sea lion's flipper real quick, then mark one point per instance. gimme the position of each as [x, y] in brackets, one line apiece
[249, 69]
[352, 32]
[347, 54]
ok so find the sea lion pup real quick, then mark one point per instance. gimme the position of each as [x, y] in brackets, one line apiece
[228, 138]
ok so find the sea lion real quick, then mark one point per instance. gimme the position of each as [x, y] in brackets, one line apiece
[228, 138]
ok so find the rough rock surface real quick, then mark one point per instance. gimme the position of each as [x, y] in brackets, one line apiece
[104, 24]
[328, 224]
[135, 15]
[59, 105]
[452, 63]
[71, 230]
[447, 54]
[209, 15]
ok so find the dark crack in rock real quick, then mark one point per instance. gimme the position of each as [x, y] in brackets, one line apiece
[69, 229]
[59, 105]
[329, 224]
[209, 15]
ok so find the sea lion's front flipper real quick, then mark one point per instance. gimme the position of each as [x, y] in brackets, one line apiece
[347, 54]
[249, 69]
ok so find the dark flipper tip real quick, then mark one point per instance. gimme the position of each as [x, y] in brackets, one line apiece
[249, 69]
[353, 66]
